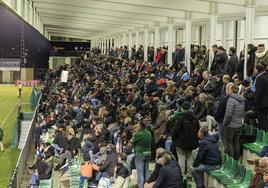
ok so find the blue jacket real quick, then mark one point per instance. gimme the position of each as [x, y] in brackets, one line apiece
[169, 176]
[264, 151]
[208, 152]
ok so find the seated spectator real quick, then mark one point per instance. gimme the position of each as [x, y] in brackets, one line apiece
[43, 169]
[160, 152]
[208, 156]
[170, 174]
[70, 150]
[122, 172]
[60, 140]
[263, 164]
[257, 172]
[107, 167]
[86, 172]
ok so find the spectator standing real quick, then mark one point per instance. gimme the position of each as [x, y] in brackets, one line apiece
[184, 136]
[141, 141]
[261, 96]
[232, 123]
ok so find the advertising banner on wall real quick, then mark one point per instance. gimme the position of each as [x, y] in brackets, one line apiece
[10, 64]
[27, 82]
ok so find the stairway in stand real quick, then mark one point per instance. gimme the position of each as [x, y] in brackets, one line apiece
[27, 173]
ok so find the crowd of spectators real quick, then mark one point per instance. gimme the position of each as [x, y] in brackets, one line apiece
[120, 114]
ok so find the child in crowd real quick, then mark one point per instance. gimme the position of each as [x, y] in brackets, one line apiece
[87, 172]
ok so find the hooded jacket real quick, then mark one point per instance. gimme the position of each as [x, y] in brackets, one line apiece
[235, 110]
[208, 152]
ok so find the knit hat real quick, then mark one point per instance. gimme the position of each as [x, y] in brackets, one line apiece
[186, 105]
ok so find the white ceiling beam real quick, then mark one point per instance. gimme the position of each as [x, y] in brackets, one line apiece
[91, 20]
[171, 5]
[84, 24]
[81, 26]
[228, 2]
[96, 17]
[114, 7]
[68, 10]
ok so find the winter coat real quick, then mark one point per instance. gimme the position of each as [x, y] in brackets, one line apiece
[160, 125]
[185, 131]
[109, 164]
[208, 152]
[169, 176]
[262, 59]
[220, 109]
[261, 94]
[235, 110]
[231, 65]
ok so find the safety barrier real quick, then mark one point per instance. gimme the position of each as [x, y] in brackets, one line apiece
[21, 163]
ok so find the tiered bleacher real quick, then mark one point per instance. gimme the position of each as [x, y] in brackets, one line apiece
[120, 122]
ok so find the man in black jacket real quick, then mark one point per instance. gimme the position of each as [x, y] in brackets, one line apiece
[185, 137]
[261, 97]
[221, 60]
[208, 157]
[71, 149]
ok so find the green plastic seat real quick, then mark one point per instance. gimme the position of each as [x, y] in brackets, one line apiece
[246, 182]
[247, 129]
[256, 146]
[265, 139]
[225, 170]
[228, 173]
[237, 178]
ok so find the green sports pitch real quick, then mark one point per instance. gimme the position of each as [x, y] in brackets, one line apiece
[8, 117]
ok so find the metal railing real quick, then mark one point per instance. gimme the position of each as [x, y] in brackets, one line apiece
[21, 163]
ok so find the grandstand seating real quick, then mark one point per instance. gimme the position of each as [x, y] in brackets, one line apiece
[232, 174]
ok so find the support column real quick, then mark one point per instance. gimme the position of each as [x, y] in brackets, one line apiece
[124, 39]
[146, 42]
[25, 10]
[102, 45]
[137, 43]
[224, 34]
[106, 45]
[130, 44]
[249, 29]
[156, 36]
[31, 14]
[19, 6]
[213, 30]
[188, 42]
[170, 39]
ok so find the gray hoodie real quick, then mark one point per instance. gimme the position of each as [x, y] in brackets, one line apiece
[235, 110]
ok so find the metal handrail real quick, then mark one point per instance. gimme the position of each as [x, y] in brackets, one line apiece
[21, 163]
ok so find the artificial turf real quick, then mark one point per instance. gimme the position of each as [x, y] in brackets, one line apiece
[8, 99]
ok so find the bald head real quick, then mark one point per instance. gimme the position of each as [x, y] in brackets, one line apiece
[228, 88]
[263, 163]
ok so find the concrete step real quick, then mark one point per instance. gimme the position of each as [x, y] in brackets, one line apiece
[27, 173]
